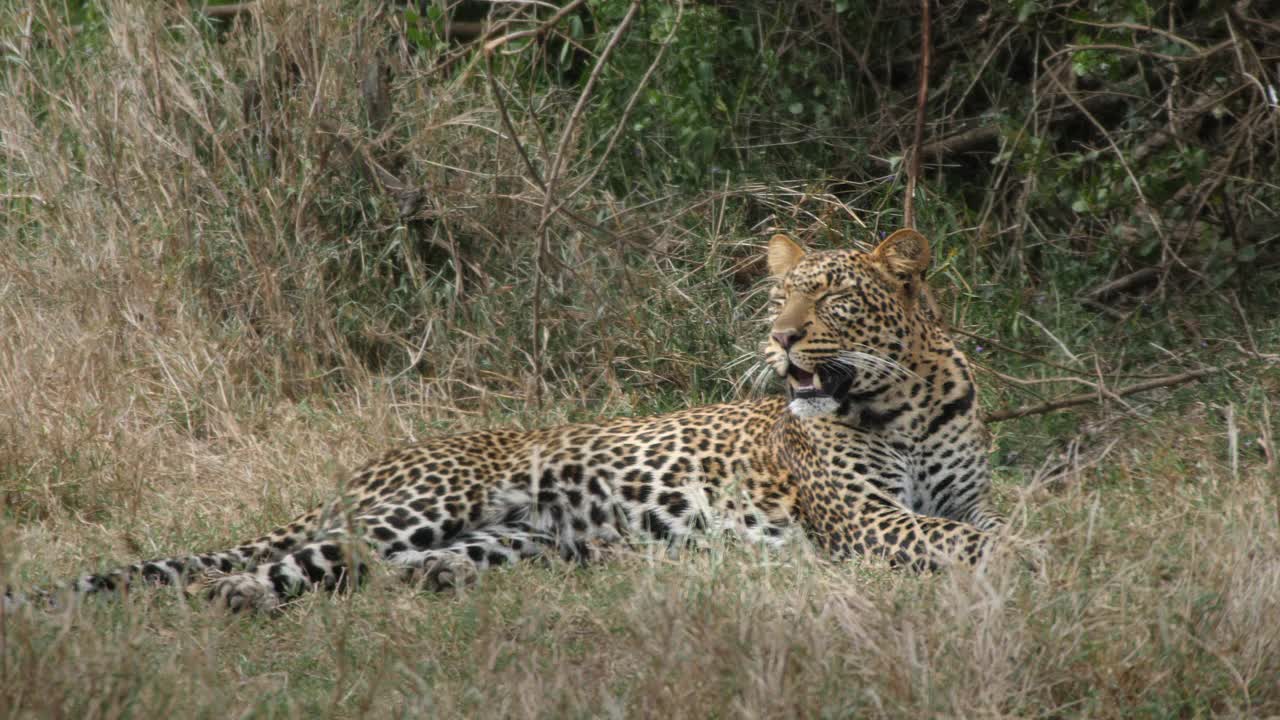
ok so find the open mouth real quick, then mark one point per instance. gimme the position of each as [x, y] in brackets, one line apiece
[804, 384]
[820, 383]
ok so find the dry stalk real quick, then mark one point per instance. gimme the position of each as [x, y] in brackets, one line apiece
[1267, 443]
[570, 128]
[1233, 442]
[922, 96]
[621, 125]
[1030, 355]
[1093, 397]
[541, 29]
[1155, 220]
[550, 182]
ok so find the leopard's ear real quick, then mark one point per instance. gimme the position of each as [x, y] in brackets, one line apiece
[784, 254]
[905, 253]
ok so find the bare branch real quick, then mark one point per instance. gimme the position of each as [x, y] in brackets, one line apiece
[549, 182]
[1124, 283]
[1092, 397]
[542, 28]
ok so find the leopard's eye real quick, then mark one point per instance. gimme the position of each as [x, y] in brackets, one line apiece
[834, 296]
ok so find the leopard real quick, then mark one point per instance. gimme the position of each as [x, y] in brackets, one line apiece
[874, 450]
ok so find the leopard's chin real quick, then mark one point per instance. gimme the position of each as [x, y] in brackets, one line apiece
[810, 407]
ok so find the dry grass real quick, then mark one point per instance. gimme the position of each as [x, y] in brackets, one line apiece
[1158, 597]
[205, 316]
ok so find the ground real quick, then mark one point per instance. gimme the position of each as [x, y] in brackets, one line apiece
[1159, 589]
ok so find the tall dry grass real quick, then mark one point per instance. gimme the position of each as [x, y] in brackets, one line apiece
[210, 305]
[196, 251]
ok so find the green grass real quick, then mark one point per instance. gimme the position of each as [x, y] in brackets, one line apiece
[206, 318]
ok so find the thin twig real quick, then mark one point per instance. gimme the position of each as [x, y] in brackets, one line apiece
[498, 42]
[1092, 397]
[506, 122]
[1029, 382]
[913, 168]
[557, 161]
[1125, 283]
[1244, 322]
[549, 182]
[631, 103]
[1140, 28]
[1106, 392]
[542, 28]
[1233, 442]
[854, 53]
[1112, 47]
[1156, 223]
[510, 127]
[995, 344]
[1061, 345]
[964, 141]
[1105, 309]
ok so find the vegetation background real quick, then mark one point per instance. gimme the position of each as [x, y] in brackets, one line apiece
[247, 246]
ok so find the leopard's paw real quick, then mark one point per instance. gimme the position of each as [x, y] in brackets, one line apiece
[242, 592]
[443, 571]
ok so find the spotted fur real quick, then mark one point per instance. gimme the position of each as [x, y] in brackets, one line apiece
[876, 451]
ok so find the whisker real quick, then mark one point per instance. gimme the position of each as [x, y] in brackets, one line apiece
[858, 361]
[756, 375]
[853, 357]
[760, 375]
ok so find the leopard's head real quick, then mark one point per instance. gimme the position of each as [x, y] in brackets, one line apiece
[845, 322]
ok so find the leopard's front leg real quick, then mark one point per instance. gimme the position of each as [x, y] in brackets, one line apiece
[871, 525]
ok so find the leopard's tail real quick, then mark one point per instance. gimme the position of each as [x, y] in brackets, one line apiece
[175, 571]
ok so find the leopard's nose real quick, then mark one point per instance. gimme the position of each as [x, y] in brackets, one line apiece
[787, 338]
